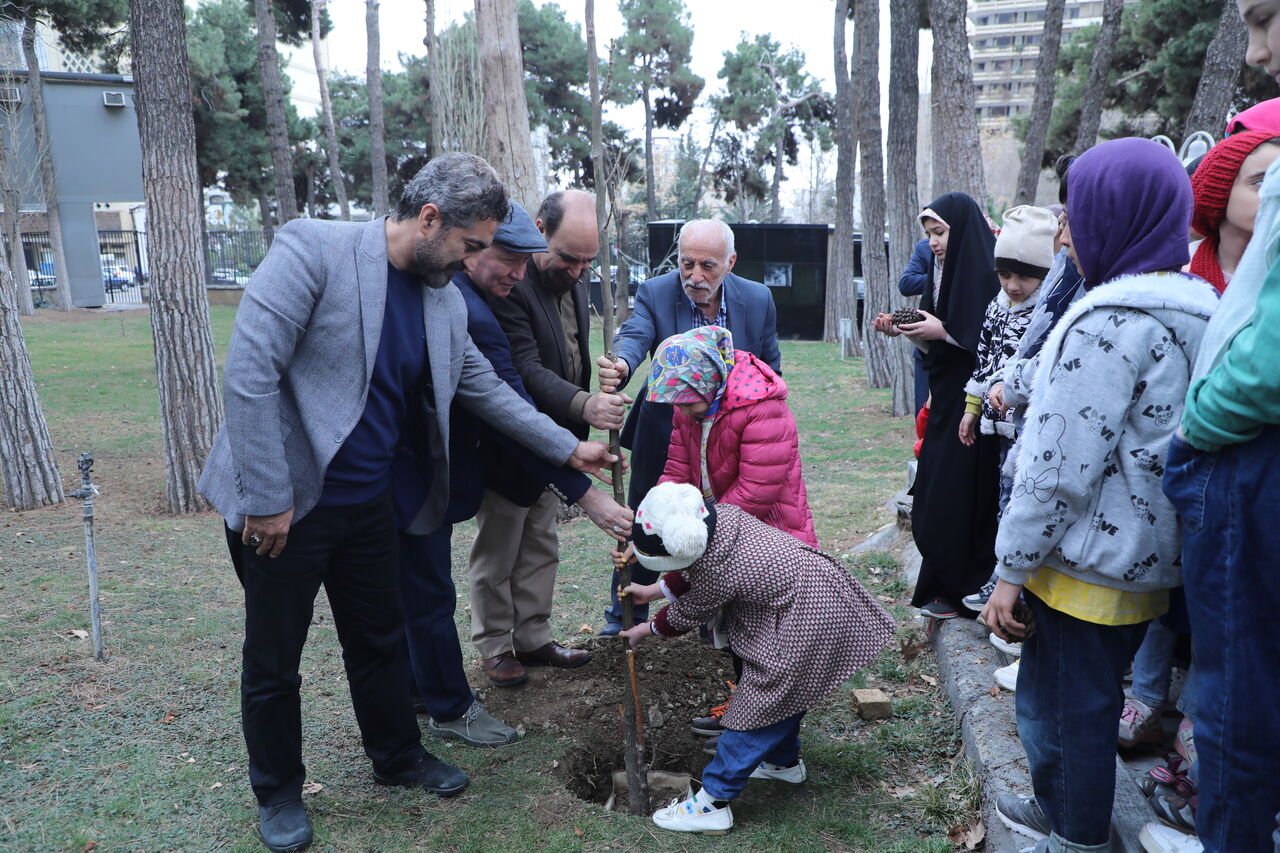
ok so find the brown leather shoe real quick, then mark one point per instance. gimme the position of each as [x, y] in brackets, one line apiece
[504, 670]
[554, 654]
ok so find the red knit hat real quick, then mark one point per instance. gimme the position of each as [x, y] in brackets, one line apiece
[1216, 174]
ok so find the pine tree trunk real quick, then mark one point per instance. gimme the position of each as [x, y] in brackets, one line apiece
[1042, 104]
[1099, 69]
[186, 370]
[268, 219]
[326, 113]
[1212, 106]
[955, 119]
[775, 189]
[650, 183]
[273, 99]
[433, 67]
[11, 199]
[506, 107]
[27, 462]
[377, 114]
[48, 180]
[904, 197]
[841, 301]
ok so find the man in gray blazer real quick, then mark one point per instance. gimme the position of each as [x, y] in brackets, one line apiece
[348, 344]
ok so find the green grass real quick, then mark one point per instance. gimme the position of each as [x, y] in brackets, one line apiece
[144, 752]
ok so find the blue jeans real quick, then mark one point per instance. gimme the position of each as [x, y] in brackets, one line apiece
[1228, 504]
[435, 655]
[741, 752]
[1070, 692]
[1153, 665]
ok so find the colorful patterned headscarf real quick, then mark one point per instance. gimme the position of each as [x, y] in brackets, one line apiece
[692, 367]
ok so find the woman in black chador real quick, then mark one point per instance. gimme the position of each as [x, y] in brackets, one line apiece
[954, 513]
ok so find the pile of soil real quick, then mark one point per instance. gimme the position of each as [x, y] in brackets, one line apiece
[679, 679]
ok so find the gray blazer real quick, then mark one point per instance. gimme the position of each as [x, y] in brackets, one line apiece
[299, 365]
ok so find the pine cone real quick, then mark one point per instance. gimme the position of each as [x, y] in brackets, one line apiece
[905, 316]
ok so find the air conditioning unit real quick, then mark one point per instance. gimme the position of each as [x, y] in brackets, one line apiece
[113, 99]
[10, 95]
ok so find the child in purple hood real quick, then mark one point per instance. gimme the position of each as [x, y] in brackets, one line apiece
[1089, 540]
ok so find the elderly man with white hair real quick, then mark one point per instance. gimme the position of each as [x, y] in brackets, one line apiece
[701, 291]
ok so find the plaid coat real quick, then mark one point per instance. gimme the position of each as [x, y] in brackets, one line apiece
[799, 621]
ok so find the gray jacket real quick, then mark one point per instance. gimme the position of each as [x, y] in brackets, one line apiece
[299, 365]
[1107, 396]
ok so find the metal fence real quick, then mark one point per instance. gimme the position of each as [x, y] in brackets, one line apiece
[124, 265]
[231, 256]
[39, 256]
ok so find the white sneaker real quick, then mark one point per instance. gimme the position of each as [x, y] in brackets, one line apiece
[794, 774]
[1007, 676]
[695, 813]
[1158, 838]
[1013, 649]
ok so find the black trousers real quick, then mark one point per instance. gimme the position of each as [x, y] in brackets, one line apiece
[352, 552]
[429, 596]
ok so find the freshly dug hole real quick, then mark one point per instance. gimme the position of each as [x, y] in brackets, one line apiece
[679, 679]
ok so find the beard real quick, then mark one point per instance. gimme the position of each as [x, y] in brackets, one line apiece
[430, 263]
[701, 294]
[558, 281]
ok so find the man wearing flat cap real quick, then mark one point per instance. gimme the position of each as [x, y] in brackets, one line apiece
[545, 319]
[480, 457]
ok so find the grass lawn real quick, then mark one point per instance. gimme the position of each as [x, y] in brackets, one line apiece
[144, 752]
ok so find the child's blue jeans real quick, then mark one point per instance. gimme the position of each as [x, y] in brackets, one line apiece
[1069, 697]
[1228, 504]
[741, 752]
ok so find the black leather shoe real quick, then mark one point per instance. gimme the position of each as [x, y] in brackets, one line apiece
[284, 826]
[432, 774]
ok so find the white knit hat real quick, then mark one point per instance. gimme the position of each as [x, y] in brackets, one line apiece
[672, 528]
[1025, 244]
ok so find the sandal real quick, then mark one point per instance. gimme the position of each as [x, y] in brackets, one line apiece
[1168, 779]
[1178, 812]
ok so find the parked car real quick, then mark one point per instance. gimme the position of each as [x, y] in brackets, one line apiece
[117, 276]
[228, 275]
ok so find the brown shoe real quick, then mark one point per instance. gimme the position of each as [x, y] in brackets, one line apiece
[554, 654]
[504, 670]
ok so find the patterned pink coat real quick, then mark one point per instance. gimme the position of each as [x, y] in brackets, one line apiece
[753, 452]
[796, 617]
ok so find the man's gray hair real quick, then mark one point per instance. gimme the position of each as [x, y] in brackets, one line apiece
[465, 188]
[723, 227]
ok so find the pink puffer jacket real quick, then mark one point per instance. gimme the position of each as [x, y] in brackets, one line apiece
[753, 452]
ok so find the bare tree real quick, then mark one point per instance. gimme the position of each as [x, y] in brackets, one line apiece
[904, 197]
[1096, 86]
[12, 184]
[459, 98]
[377, 115]
[506, 107]
[27, 461]
[957, 146]
[433, 113]
[273, 98]
[841, 300]
[326, 113]
[186, 370]
[1042, 104]
[1220, 74]
[48, 180]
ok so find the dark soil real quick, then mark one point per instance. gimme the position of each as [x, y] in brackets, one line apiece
[679, 679]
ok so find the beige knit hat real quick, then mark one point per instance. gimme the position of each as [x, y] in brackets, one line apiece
[1025, 244]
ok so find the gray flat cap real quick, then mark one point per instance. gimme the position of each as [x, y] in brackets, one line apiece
[519, 233]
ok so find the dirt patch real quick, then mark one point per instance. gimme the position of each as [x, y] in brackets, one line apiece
[679, 679]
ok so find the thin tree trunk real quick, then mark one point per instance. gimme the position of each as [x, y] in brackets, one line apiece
[775, 189]
[904, 198]
[1218, 78]
[311, 191]
[1096, 86]
[273, 99]
[48, 180]
[702, 169]
[841, 300]
[11, 199]
[268, 220]
[377, 116]
[955, 119]
[879, 349]
[1042, 104]
[326, 113]
[186, 370]
[27, 462]
[622, 292]
[433, 63]
[506, 107]
[650, 183]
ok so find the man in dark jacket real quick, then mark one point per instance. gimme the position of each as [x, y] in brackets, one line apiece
[479, 457]
[702, 291]
[516, 551]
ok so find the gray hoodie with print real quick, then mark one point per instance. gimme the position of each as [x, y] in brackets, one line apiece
[1107, 395]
